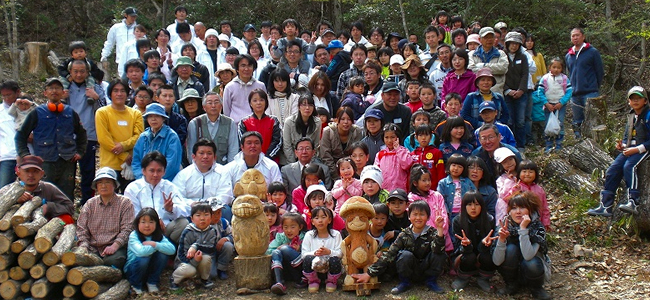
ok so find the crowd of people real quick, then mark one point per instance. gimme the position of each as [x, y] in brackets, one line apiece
[432, 137]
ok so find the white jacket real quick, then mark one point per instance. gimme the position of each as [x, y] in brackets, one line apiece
[7, 133]
[142, 194]
[118, 36]
[196, 186]
[172, 31]
[202, 56]
[268, 167]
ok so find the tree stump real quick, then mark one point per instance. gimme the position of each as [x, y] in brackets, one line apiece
[31, 228]
[37, 61]
[18, 273]
[78, 275]
[28, 257]
[65, 242]
[37, 271]
[10, 289]
[6, 238]
[70, 290]
[9, 194]
[5, 222]
[41, 288]
[595, 115]
[44, 239]
[20, 245]
[643, 218]
[91, 288]
[4, 276]
[253, 272]
[25, 211]
[118, 292]
[56, 273]
[80, 257]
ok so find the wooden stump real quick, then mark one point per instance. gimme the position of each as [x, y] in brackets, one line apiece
[31, 228]
[595, 114]
[65, 242]
[56, 273]
[4, 275]
[37, 61]
[80, 257]
[38, 271]
[5, 222]
[78, 275]
[253, 272]
[10, 289]
[20, 245]
[25, 211]
[6, 238]
[70, 290]
[41, 288]
[9, 194]
[44, 239]
[17, 273]
[28, 257]
[118, 292]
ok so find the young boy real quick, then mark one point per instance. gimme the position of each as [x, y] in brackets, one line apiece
[225, 243]
[396, 62]
[413, 94]
[290, 28]
[418, 251]
[634, 149]
[428, 97]
[397, 204]
[488, 112]
[354, 97]
[429, 155]
[196, 247]
[79, 51]
[371, 181]
[377, 226]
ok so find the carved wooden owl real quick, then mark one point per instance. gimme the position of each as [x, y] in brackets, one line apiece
[252, 182]
[250, 229]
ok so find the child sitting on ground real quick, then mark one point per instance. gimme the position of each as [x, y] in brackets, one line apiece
[225, 244]
[285, 252]
[273, 217]
[378, 228]
[398, 202]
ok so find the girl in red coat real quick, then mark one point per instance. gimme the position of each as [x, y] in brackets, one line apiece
[267, 126]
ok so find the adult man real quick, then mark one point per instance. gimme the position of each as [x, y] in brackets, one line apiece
[586, 73]
[359, 55]
[59, 138]
[502, 29]
[199, 30]
[10, 92]
[118, 36]
[56, 204]
[321, 58]
[79, 93]
[438, 73]
[490, 139]
[251, 156]
[326, 37]
[186, 80]
[235, 96]
[292, 173]
[226, 28]
[372, 77]
[181, 17]
[215, 127]
[204, 179]
[429, 56]
[212, 47]
[487, 56]
[394, 111]
[293, 62]
[250, 33]
[200, 71]
[201, 55]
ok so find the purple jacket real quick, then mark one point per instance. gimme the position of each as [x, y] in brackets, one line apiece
[463, 85]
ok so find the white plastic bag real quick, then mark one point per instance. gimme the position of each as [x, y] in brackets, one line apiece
[553, 124]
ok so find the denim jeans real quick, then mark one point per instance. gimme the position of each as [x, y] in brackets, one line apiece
[289, 260]
[411, 267]
[221, 259]
[515, 266]
[7, 172]
[517, 121]
[529, 117]
[624, 167]
[578, 107]
[146, 269]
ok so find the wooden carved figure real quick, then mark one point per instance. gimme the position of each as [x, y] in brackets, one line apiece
[252, 182]
[250, 227]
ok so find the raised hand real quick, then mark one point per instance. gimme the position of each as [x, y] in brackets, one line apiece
[168, 205]
[463, 239]
[525, 220]
[487, 241]
[504, 233]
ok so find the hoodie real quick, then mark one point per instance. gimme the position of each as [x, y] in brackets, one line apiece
[585, 69]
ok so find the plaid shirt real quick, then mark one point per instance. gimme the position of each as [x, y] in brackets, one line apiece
[100, 225]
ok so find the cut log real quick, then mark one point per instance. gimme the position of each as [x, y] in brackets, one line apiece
[9, 194]
[7, 260]
[20, 245]
[27, 285]
[10, 289]
[70, 290]
[44, 239]
[28, 257]
[78, 275]
[91, 288]
[6, 238]
[63, 244]
[25, 211]
[572, 179]
[118, 292]
[27, 229]
[18, 273]
[5, 222]
[4, 275]
[80, 257]
[250, 273]
[56, 273]
[595, 114]
[41, 288]
[643, 218]
[37, 271]
[588, 157]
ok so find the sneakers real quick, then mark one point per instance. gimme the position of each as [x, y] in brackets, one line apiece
[278, 289]
[541, 294]
[629, 207]
[602, 210]
[402, 287]
[152, 288]
[207, 283]
[548, 149]
[172, 285]
[484, 283]
[460, 283]
[136, 290]
[223, 275]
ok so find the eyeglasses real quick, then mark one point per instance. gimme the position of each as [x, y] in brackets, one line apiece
[146, 97]
[304, 149]
[488, 138]
[212, 103]
[293, 51]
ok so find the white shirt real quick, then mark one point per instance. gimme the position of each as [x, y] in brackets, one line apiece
[118, 36]
[173, 36]
[142, 195]
[7, 133]
[268, 167]
[195, 186]
[312, 242]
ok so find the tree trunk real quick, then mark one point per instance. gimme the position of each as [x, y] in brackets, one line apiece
[567, 176]
[57, 273]
[337, 16]
[18, 273]
[27, 285]
[25, 211]
[251, 273]
[9, 197]
[595, 114]
[36, 53]
[7, 260]
[643, 218]
[29, 257]
[401, 8]
[80, 257]
[78, 275]
[5, 222]
[44, 239]
[70, 290]
[588, 157]
[6, 238]
[118, 292]
[41, 288]
[65, 242]
[91, 288]
[10, 289]
[38, 271]
[31, 228]
[20, 245]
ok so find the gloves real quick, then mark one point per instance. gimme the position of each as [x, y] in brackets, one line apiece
[127, 172]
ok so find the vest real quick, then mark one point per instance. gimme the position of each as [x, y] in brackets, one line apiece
[220, 139]
[54, 134]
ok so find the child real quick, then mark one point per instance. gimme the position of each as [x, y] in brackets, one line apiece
[470, 110]
[373, 139]
[455, 185]
[428, 155]
[322, 242]
[418, 118]
[395, 160]
[516, 86]
[554, 91]
[477, 172]
[225, 243]
[79, 51]
[272, 216]
[360, 155]
[418, 251]
[371, 181]
[20, 109]
[634, 149]
[346, 186]
[354, 97]
[283, 103]
[453, 104]
[420, 187]
[311, 174]
[520, 251]
[527, 179]
[441, 20]
[397, 204]
[377, 228]
[488, 111]
[147, 251]
[412, 91]
[384, 55]
[507, 169]
[276, 193]
[325, 117]
[473, 230]
[195, 248]
[285, 252]
[428, 97]
[317, 196]
[455, 138]
[396, 62]
[291, 28]
[268, 126]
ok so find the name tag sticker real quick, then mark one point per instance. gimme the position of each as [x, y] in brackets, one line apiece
[122, 123]
[397, 121]
[518, 61]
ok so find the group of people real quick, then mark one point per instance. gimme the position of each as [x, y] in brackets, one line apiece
[432, 138]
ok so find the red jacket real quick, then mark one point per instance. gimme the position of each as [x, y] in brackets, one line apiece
[430, 157]
[269, 128]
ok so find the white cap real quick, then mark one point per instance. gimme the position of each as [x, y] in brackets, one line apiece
[502, 153]
[396, 59]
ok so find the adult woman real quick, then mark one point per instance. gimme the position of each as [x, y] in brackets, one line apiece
[305, 123]
[190, 104]
[282, 103]
[105, 221]
[413, 71]
[461, 80]
[359, 154]
[256, 51]
[338, 137]
[166, 56]
[538, 58]
[267, 125]
[319, 85]
[392, 41]
[483, 181]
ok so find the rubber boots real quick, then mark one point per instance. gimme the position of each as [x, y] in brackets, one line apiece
[605, 207]
[278, 288]
[332, 281]
[313, 280]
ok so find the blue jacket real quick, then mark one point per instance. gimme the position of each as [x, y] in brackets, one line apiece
[490, 197]
[465, 149]
[506, 135]
[447, 189]
[469, 112]
[585, 69]
[166, 142]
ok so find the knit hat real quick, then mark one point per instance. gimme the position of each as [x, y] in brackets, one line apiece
[373, 173]
[211, 32]
[314, 188]
[354, 203]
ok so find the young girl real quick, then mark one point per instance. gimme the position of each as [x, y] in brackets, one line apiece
[384, 55]
[346, 186]
[554, 91]
[285, 252]
[508, 169]
[273, 217]
[311, 174]
[527, 179]
[441, 20]
[428, 155]
[373, 139]
[455, 185]
[283, 102]
[371, 181]
[268, 126]
[147, 251]
[428, 98]
[520, 252]
[322, 242]
[317, 196]
[409, 49]
[354, 99]
[473, 231]
[420, 188]
[394, 161]
[360, 156]
[455, 138]
[418, 118]
[276, 193]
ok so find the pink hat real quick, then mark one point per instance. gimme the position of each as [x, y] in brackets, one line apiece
[473, 38]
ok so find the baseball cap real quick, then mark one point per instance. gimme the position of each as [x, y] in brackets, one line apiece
[486, 105]
[373, 113]
[215, 203]
[637, 90]
[500, 25]
[248, 27]
[502, 153]
[31, 161]
[396, 59]
[130, 11]
[326, 31]
[53, 80]
[389, 86]
[485, 31]
[334, 44]
[398, 194]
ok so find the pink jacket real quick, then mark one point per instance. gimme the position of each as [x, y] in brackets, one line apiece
[544, 212]
[463, 85]
[437, 204]
[504, 185]
[341, 195]
[298, 196]
[395, 166]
